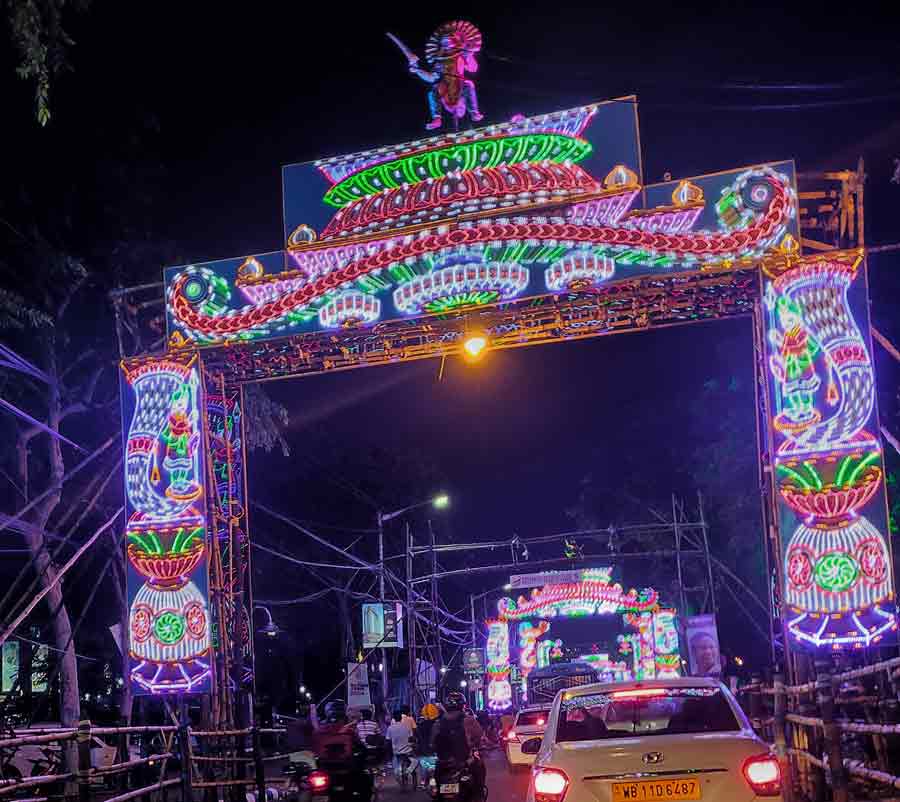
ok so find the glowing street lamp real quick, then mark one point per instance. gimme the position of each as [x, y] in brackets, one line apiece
[270, 629]
[474, 345]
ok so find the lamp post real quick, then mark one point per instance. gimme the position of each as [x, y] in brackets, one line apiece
[440, 501]
[270, 628]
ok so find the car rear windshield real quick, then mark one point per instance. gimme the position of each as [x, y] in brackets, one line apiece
[645, 711]
[532, 718]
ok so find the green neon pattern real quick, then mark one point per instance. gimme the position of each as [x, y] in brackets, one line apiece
[184, 540]
[146, 541]
[169, 628]
[461, 157]
[796, 476]
[836, 572]
[454, 302]
[863, 464]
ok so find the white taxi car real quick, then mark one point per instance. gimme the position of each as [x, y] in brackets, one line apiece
[673, 740]
[530, 723]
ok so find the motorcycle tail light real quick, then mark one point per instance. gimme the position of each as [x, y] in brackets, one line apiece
[550, 785]
[763, 775]
[319, 781]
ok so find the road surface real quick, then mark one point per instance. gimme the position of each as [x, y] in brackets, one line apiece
[503, 786]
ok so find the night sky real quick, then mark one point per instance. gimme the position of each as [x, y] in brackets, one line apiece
[207, 101]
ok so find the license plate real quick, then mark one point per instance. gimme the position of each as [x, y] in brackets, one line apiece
[450, 788]
[646, 790]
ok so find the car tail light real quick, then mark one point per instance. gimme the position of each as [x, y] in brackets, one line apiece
[550, 785]
[512, 737]
[319, 781]
[541, 722]
[638, 693]
[763, 774]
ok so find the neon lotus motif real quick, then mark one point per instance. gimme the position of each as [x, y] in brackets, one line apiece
[830, 489]
[441, 286]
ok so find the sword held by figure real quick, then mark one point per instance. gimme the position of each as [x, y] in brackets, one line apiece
[411, 57]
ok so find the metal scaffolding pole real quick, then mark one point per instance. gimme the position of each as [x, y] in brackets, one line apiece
[411, 618]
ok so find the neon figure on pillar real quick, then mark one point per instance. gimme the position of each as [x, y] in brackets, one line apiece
[838, 584]
[499, 690]
[169, 638]
[528, 637]
[450, 54]
[794, 367]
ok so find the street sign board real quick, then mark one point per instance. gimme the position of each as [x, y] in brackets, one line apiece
[473, 661]
[382, 626]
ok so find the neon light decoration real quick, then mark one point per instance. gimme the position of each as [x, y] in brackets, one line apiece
[837, 564]
[610, 670]
[350, 309]
[450, 286]
[665, 645]
[653, 647]
[499, 690]
[578, 271]
[528, 637]
[494, 201]
[169, 639]
[548, 650]
[595, 595]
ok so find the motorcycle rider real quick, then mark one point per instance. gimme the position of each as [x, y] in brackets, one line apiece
[337, 747]
[454, 740]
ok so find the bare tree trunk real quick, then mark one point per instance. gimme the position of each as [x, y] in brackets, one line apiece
[69, 697]
[126, 701]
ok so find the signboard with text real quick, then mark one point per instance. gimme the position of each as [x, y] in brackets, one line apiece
[382, 626]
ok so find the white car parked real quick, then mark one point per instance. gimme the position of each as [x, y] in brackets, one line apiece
[674, 740]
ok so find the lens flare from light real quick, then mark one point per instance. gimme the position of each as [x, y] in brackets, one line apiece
[762, 771]
[474, 346]
[550, 782]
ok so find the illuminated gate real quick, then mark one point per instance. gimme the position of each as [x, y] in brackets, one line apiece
[535, 230]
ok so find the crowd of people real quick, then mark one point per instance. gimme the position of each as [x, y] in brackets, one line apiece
[448, 731]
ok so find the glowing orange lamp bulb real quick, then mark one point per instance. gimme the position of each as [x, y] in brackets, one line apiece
[474, 345]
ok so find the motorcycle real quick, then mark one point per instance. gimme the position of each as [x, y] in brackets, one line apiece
[340, 781]
[452, 781]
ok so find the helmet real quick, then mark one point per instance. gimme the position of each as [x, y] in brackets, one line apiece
[335, 711]
[454, 701]
[430, 712]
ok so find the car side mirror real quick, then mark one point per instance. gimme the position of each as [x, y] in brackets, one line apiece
[531, 747]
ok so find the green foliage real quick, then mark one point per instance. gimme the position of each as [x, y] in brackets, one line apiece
[42, 44]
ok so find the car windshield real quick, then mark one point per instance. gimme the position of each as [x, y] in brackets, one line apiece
[532, 718]
[644, 711]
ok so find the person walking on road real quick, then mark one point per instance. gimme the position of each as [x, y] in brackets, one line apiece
[400, 736]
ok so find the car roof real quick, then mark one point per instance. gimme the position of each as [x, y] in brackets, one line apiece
[674, 682]
[534, 709]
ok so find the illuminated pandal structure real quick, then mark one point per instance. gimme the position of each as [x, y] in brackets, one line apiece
[166, 529]
[653, 647]
[531, 232]
[837, 564]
